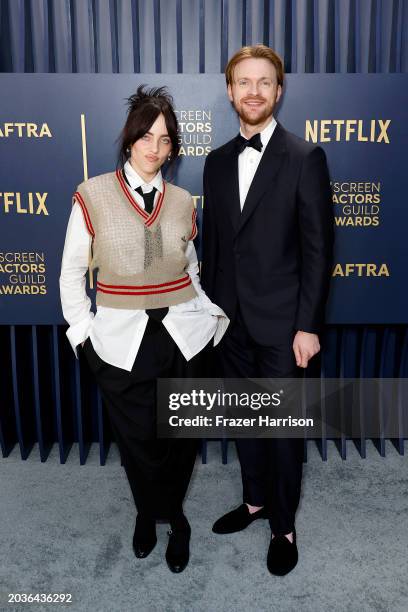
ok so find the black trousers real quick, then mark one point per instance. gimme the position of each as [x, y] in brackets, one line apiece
[158, 470]
[271, 468]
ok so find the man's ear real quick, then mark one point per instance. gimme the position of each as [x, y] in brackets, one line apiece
[229, 91]
[278, 93]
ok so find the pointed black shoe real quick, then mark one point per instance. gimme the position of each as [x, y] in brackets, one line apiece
[178, 548]
[237, 520]
[282, 555]
[144, 537]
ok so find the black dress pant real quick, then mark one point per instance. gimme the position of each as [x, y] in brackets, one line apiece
[271, 468]
[158, 470]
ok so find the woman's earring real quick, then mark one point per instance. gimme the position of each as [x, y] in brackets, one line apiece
[169, 158]
[128, 150]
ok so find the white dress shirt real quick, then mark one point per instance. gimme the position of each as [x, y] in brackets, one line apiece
[248, 161]
[116, 333]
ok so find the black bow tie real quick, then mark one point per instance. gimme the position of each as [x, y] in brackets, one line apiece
[254, 142]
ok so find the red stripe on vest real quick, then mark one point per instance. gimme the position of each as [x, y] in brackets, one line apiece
[149, 219]
[146, 292]
[79, 199]
[137, 287]
[194, 231]
[135, 205]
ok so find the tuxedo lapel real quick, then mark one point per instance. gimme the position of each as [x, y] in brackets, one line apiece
[267, 170]
[231, 185]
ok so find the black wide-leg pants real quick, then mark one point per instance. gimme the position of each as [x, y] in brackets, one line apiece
[271, 468]
[158, 470]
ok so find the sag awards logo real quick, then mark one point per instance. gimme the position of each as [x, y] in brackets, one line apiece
[336, 130]
[360, 270]
[356, 204]
[22, 274]
[195, 132]
[25, 130]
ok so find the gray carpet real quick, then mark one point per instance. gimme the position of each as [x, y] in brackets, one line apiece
[68, 528]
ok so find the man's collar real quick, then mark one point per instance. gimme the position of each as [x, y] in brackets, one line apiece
[266, 132]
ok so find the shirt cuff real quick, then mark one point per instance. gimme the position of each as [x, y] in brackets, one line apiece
[79, 332]
[208, 304]
[223, 322]
[215, 311]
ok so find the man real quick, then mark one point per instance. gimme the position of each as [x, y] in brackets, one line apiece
[267, 249]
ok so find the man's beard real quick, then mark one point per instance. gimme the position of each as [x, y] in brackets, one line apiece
[255, 120]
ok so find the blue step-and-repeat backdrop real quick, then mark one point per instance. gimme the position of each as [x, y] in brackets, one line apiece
[57, 129]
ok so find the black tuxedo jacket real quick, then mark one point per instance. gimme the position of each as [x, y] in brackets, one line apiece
[275, 257]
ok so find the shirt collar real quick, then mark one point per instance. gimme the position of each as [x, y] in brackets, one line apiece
[265, 134]
[135, 180]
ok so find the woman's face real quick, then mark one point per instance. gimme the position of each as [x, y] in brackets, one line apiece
[150, 152]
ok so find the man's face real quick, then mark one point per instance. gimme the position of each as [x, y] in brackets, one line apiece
[254, 91]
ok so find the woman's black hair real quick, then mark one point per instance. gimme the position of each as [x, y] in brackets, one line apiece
[143, 109]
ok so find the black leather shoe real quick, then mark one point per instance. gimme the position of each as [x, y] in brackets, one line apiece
[282, 555]
[178, 549]
[144, 537]
[237, 520]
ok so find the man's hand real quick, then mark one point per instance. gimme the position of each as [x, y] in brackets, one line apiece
[305, 346]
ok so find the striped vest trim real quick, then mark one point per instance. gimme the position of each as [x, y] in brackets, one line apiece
[145, 289]
[77, 197]
[148, 219]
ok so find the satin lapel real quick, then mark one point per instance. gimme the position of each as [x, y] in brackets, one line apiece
[231, 186]
[267, 170]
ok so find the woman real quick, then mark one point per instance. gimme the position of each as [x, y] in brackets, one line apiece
[152, 315]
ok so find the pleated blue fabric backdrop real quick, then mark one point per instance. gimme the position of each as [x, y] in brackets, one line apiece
[46, 395]
[198, 35]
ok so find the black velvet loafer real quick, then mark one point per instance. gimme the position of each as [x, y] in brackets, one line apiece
[282, 555]
[178, 549]
[144, 537]
[237, 520]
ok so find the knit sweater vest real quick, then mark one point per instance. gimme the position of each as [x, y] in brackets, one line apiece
[140, 257]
